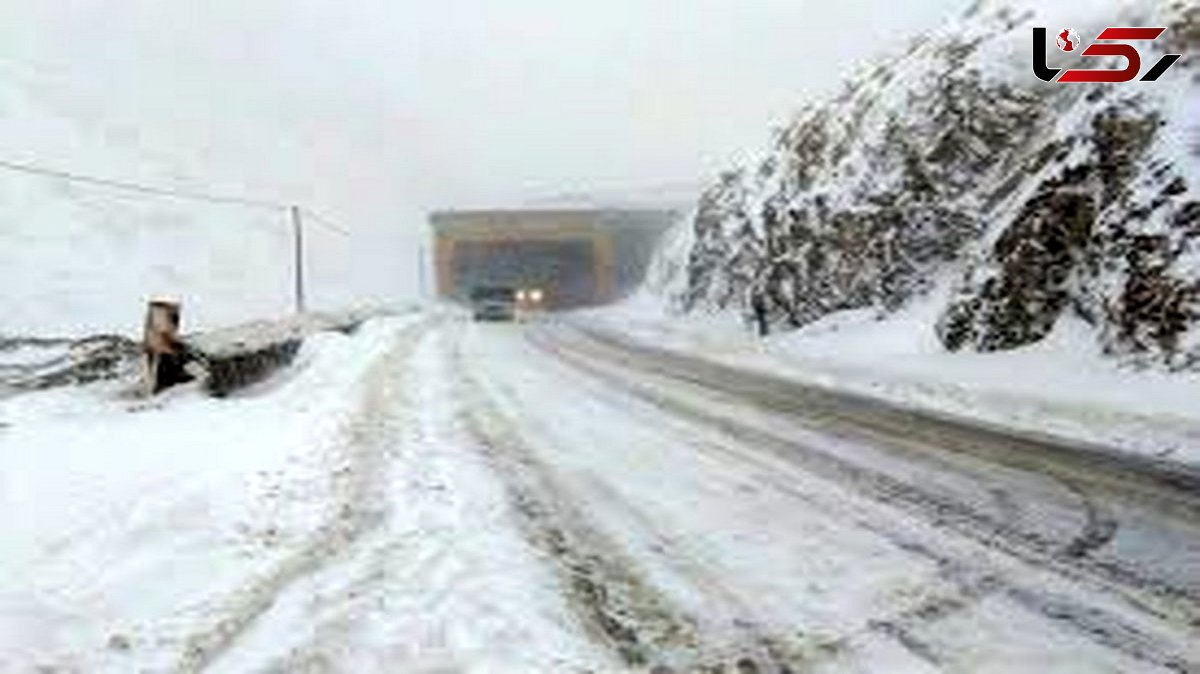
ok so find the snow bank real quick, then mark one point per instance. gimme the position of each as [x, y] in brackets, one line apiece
[120, 520]
[1061, 386]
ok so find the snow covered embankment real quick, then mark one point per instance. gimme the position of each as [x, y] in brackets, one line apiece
[128, 528]
[233, 358]
[335, 518]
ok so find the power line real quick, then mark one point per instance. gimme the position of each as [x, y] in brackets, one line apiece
[325, 222]
[293, 210]
[140, 188]
[152, 190]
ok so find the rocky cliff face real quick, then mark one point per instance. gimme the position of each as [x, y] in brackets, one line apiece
[952, 165]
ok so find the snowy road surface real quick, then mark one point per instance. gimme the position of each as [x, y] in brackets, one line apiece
[435, 495]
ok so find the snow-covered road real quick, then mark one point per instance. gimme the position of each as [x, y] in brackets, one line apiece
[437, 495]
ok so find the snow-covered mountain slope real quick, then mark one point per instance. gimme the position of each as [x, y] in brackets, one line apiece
[76, 258]
[951, 167]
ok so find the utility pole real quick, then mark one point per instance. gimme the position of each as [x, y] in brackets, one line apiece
[298, 237]
[421, 273]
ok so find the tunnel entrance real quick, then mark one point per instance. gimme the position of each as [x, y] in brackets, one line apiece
[575, 257]
[563, 270]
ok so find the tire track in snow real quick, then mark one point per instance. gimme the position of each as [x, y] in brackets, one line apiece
[970, 585]
[940, 503]
[1100, 626]
[1151, 593]
[780, 650]
[1098, 531]
[355, 511]
[425, 569]
[616, 602]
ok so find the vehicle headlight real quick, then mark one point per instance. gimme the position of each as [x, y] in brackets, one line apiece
[536, 295]
[520, 295]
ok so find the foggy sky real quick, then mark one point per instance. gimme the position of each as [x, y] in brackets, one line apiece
[376, 110]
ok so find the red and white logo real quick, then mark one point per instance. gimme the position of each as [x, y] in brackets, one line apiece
[1068, 40]
[1111, 42]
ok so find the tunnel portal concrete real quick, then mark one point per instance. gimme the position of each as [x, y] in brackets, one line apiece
[577, 257]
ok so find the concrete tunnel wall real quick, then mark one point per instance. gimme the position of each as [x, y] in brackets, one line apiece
[579, 258]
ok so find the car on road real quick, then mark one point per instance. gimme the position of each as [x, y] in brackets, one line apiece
[493, 303]
[530, 301]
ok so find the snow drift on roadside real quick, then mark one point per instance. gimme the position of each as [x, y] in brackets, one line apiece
[121, 519]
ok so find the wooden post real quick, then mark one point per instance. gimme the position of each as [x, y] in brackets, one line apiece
[298, 238]
[422, 292]
[163, 352]
[443, 260]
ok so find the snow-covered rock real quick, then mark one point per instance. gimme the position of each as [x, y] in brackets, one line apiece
[953, 164]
